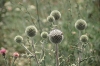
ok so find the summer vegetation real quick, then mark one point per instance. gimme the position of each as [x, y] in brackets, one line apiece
[50, 33]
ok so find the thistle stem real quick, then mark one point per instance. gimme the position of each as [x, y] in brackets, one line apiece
[38, 18]
[13, 61]
[79, 48]
[35, 53]
[6, 64]
[43, 53]
[27, 50]
[57, 55]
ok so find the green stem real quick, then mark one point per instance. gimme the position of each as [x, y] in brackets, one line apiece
[6, 63]
[35, 53]
[13, 61]
[38, 18]
[57, 55]
[27, 50]
[79, 48]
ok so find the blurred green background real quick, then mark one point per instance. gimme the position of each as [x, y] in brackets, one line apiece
[16, 15]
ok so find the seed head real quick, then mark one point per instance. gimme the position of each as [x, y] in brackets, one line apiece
[44, 34]
[15, 54]
[50, 19]
[73, 65]
[80, 24]
[18, 39]
[56, 14]
[31, 31]
[55, 36]
[84, 38]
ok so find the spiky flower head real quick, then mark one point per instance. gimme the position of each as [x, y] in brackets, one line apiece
[18, 39]
[80, 24]
[56, 14]
[55, 36]
[31, 31]
[3, 51]
[15, 54]
[73, 65]
[84, 38]
[50, 18]
[44, 34]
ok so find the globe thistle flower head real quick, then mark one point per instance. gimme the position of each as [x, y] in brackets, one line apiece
[73, 65]
[50, 19]
[18, 39]
[15, 54]
[3, 51]
[56, 14]
[84, 38]
[80, 24]
[55, 36]
[31, 31]
[44, 34]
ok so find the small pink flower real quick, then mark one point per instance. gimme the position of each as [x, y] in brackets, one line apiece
[3, 51]
[16, 54]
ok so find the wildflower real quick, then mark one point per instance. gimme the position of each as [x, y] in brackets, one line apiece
[18, 39]
[3, 51]
[84, 38]
[50, 19]
[80, 24]
[55, 36]
[56, 14]
[44, 34]
[31, 31]
[15, 54]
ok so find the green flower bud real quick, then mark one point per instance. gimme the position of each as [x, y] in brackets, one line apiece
[80, 24]
[56, 14]
[84, 38]
[55, 36]
[44, 34]
[31, 31]
[18, 39]
[50, 19]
